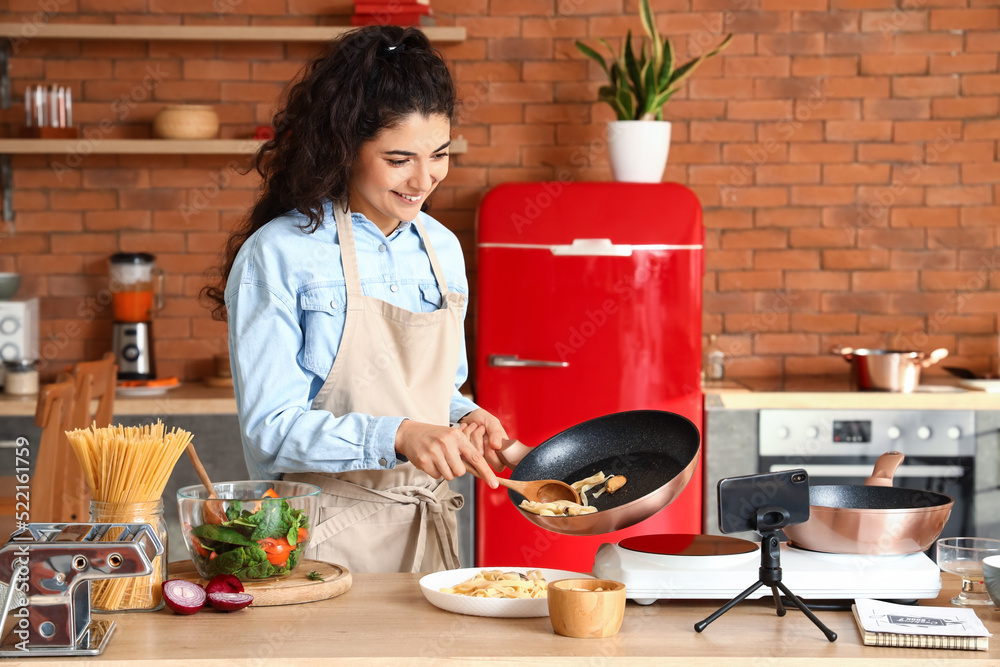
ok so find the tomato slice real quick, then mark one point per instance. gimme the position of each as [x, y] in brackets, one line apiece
[303, 535]
[277, 559]
[270, 493]
[202, 551]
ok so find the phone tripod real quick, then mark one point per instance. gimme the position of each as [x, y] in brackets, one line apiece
[769, 520]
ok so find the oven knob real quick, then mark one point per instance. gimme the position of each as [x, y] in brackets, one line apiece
[954, 432]
[783, 432]
[894, 433]
[812, 432]
[9, 325]
[924, 433]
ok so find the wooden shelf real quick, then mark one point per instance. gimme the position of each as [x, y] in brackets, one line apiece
[129, 146]
[83, 145]
[439, 34]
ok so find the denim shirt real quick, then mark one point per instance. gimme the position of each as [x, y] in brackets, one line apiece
[286, 302]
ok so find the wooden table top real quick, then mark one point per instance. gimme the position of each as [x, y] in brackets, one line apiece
[384, 619]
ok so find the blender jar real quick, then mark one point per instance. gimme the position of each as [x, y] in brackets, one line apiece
[134, 297]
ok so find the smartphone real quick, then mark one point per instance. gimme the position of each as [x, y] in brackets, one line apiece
[784, 497]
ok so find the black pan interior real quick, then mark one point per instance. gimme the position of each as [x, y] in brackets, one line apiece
[649, 447]
[846, 496]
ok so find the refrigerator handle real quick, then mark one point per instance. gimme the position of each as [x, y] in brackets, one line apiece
[511, 360]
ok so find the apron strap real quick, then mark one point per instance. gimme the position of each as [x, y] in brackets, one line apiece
[348, 255]
[431, 504]
[435, 264]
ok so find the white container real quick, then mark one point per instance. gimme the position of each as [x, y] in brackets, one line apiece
[638, 149]
[21, 378]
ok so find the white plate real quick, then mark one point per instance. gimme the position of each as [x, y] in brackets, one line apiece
[497, 607]
[981, 385]
[138, 392]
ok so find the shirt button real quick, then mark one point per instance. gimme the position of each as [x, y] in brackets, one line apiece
[382, 247]
[382, 462]
[394, 287]
[333, 304]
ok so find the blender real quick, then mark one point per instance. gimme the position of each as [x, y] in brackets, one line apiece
[134, 299]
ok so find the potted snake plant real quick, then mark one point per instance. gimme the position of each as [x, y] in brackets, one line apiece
[639, 85]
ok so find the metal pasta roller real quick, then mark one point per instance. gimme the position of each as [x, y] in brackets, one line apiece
[49, 567]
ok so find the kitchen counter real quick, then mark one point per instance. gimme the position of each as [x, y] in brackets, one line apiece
[194, 398]
[384, 619]
[835, 393]
[190, 398]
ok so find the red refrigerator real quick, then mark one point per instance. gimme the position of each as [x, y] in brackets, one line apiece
[589, 302]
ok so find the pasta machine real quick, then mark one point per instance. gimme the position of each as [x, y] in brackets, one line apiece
[48, 568]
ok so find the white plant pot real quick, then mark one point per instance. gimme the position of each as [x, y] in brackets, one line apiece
[638, 149]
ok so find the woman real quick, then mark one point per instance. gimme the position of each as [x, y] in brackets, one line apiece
[346, 304]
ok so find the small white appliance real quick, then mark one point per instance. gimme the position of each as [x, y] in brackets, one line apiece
[19, 329]
[649, 576]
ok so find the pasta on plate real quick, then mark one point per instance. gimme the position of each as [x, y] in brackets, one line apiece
[499, 584]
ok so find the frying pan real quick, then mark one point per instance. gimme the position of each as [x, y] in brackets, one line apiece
[656, 451]
[873, 519]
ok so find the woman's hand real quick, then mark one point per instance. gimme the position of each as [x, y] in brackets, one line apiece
[443, 451]
[489, 439]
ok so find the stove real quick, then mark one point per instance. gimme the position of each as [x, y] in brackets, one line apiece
[704, 567]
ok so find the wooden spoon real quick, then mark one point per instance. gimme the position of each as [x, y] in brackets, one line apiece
[213, 510]
[539, 490]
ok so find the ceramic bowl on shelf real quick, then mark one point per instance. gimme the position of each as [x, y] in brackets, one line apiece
[186, 121]
[267, 527]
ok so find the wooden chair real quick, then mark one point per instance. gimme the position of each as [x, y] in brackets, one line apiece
[95, 380]
[59, 492]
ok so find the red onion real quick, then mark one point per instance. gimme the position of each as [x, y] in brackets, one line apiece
[184, 597]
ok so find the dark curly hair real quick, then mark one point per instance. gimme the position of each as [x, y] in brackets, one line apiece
[369, 80]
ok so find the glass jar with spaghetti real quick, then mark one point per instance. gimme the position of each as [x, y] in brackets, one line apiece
[131, 593]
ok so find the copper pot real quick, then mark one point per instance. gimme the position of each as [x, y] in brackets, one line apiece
[873, 519]
[888, 370]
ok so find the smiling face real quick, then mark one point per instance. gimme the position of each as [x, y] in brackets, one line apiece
[398, 169]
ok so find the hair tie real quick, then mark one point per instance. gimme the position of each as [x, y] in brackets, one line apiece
[395, 49]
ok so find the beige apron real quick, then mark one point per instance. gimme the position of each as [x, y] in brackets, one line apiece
[391, 362]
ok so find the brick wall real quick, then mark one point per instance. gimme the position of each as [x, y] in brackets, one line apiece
[845, 152]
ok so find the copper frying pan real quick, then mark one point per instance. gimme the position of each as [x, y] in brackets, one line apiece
[873, 519]
[656, 451]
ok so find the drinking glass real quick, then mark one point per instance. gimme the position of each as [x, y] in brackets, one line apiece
[964, 556]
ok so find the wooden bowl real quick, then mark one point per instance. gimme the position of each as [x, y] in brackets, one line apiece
[186, 121]
[578, 609]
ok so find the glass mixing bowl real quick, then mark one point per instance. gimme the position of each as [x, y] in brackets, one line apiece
[260, 530]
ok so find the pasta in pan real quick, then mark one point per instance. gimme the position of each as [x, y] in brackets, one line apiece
[498, 584]
[602, 482]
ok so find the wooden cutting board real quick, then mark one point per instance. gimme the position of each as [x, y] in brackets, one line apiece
[293, 589]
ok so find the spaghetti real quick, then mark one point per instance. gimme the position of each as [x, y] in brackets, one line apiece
[505, 585]
[127, 468]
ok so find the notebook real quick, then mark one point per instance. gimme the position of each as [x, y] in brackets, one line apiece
[888, 624]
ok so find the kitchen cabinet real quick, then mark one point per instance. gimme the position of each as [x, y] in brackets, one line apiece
[384, 619]
[14, 33]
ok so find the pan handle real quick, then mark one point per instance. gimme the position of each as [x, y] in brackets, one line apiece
[512, 452]
[885, 468]
[846, 352]
[934, 357]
